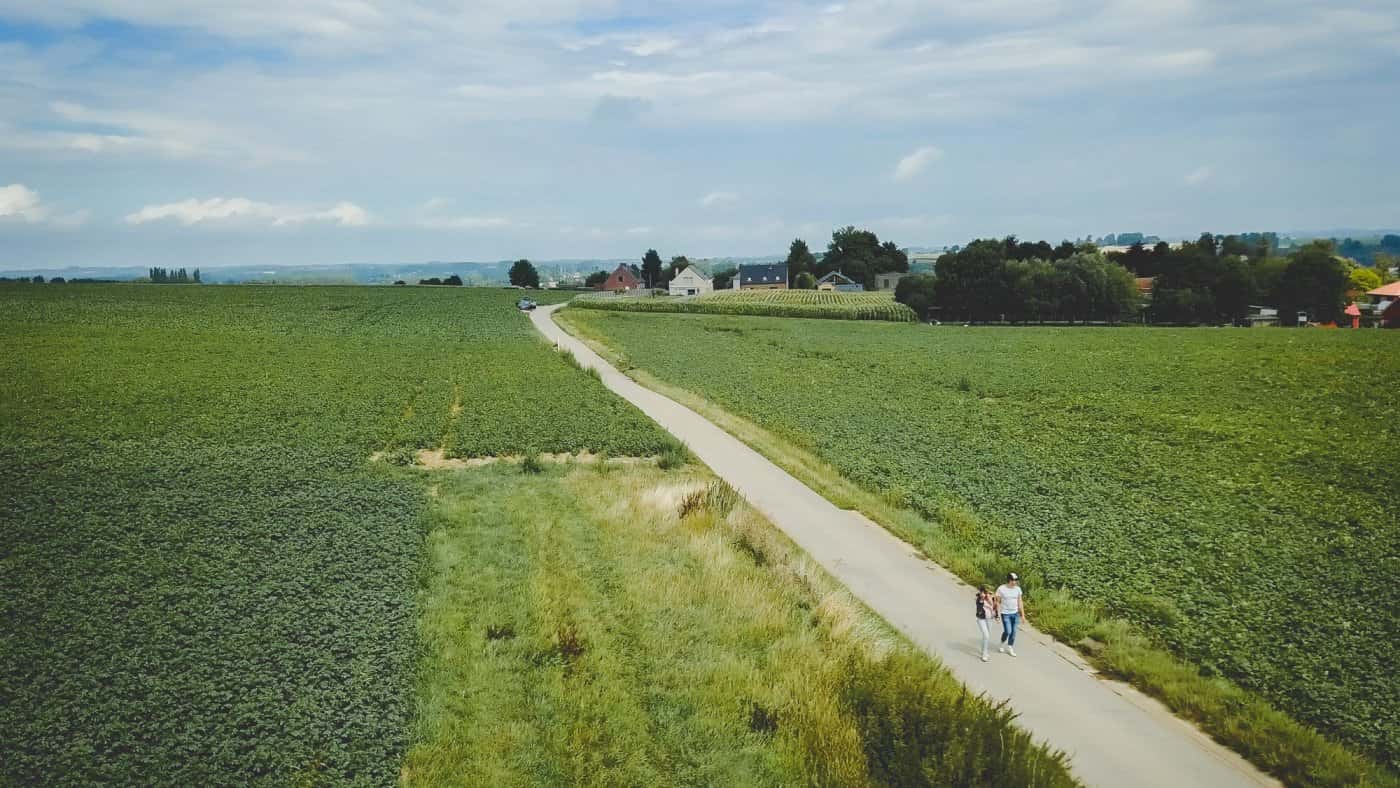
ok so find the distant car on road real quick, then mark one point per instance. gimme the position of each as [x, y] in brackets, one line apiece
[525, 304]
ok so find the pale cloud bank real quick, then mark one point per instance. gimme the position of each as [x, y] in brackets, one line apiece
[1197, 176]
[718, 198]
[916, 162]
[467, 223]
[220, 209]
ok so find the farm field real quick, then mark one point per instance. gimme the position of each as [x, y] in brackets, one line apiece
[207, 580]
[767, 303]
[665, 634]
[1223, 490]
[204, 580]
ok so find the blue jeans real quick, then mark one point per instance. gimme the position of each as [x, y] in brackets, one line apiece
[1008, 627]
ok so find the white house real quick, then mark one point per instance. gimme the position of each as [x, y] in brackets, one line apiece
[691, 281]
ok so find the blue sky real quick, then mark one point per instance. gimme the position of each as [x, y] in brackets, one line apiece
[162, 132]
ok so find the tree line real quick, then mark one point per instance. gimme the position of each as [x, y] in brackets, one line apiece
[167, 276]
[1216, 279]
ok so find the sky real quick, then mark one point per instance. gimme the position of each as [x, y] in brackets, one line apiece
[167, 132]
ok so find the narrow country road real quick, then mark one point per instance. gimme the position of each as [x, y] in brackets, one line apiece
[1114, 735]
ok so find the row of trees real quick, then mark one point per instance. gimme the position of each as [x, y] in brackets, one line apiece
[858, 254]
[453, 280]
[991, 280]
[1213, 280]
[165, 276]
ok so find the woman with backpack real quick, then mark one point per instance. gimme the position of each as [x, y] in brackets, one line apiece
[986, 611]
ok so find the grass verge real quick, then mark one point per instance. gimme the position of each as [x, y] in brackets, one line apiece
[1272, 740]
[638, 626]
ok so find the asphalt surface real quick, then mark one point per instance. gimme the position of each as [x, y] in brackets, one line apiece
[1113, 734]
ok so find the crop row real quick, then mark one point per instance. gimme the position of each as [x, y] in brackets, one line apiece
[764, 303]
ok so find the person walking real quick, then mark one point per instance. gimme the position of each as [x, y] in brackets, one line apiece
[1012, 608]
[986, 612]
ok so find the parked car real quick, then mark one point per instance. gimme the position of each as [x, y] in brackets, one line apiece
[525, 304]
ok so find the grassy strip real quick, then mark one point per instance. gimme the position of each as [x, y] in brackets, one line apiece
[764, 303]
[1278, 744]
[591, 624]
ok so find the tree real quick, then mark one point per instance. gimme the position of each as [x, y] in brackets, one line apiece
[1268, 273]
[678, 263]
[804, 281]
[860, 255]
[1315, 282]
[723, 279]
[973, 282]
[399, 282]
[57, 280]
[800, 260]
[651, 268]
[454, 280]
[595, 279]
[430, 281]
[917, 291]
[523, 274]
[1363, 279]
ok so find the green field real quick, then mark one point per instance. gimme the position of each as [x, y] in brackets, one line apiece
[767, 303]
[1233, 493]
[206, 579]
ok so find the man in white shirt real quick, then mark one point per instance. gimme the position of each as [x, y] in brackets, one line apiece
[1012, 608]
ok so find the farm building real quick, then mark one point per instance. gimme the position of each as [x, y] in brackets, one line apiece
[621, 280]
[772, 276]
[691, 281]
[889, 280]
[839, 282]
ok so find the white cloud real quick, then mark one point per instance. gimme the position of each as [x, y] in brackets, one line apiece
[218, 209]
[468, 223]
[637, 231]
[1197, 176]
[18, 201]
[718, 198]
[21, 203]
[653, 46]
[916, 162]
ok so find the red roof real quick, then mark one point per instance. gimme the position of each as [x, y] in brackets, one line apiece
[1391, 290]
[621, 279]
[1353, 310]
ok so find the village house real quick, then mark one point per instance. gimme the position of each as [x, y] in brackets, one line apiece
[691, 281]
[840, 283]
[772, 276]
[621, 280]
[889, 280]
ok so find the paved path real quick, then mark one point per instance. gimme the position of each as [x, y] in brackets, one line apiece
[1115, 735]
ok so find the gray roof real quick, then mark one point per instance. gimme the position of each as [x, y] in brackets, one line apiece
[768, 273]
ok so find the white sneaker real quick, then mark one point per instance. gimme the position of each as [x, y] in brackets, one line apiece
[1011, 651]
[986, 658]
[1001, 649]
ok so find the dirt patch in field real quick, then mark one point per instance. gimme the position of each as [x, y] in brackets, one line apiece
[437, 459]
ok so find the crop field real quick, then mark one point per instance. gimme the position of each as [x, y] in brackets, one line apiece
[767, 303]
[1231, 492]
[202, 578]
[205, 579]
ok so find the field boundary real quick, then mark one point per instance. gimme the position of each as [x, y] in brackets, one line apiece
[1232, 716]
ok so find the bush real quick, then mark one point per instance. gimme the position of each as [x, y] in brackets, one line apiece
[916, 291]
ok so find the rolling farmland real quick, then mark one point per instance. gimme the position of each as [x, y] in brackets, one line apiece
[204, 578]
[1223, 490]
[207, 579]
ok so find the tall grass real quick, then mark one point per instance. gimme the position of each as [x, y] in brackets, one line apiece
[587, 629]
